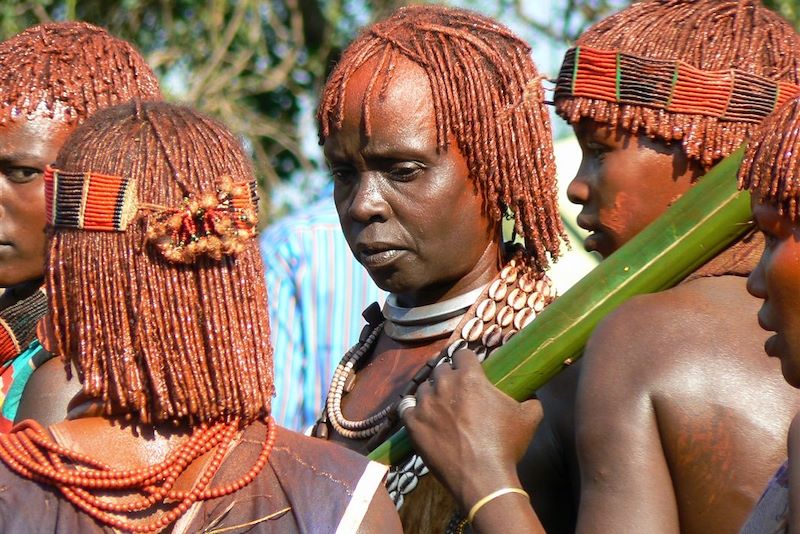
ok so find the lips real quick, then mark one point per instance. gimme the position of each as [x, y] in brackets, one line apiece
[763, 323]
[771, 344]
[586, 222]
[378, 254]
[593, 240]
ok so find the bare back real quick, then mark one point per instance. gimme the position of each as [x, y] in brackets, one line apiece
[681, 417]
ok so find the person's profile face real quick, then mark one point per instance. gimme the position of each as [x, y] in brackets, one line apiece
[624, 183]
[409, 211]
[27, 146]
[776, 280]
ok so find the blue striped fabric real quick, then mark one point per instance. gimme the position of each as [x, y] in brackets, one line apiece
[317, 292]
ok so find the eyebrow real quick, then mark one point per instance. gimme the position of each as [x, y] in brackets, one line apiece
[18, 156]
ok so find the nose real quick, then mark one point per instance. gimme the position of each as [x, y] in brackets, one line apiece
[578, 188]
[756, 283]
[368, 202]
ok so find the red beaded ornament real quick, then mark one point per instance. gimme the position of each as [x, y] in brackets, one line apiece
[213, 224]
[671, 85]
[31, 452]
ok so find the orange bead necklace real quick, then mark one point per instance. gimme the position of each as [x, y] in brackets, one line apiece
[31, 452]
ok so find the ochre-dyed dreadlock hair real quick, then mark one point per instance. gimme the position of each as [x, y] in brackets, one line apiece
[771, 165]
[733, 58]
[72, 68]
[159, 339]
[486, 94]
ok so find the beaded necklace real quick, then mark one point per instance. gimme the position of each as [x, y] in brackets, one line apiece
[508, 304]
[18, 324]
[32, 453]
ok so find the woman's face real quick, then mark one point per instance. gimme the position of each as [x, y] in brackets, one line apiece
[27, 146]
[624, 183]
[776, 280]
[409, 211]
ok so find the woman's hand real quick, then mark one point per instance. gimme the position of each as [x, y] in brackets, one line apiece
[470, 434]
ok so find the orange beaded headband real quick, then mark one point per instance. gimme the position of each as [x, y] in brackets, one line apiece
[89, 201]
[211, 224]
[672, 85]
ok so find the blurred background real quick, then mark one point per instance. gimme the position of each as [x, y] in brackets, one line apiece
[258, 66]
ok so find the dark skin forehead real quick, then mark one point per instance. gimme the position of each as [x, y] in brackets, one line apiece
[401, 134]
[34, 141]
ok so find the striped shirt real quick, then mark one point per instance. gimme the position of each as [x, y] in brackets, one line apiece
[317, 291]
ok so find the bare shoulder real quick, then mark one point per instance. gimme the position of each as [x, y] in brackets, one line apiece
[381, 517]
[705, 317]
[48, 393]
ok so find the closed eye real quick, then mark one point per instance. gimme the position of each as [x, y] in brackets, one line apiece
[405, 172]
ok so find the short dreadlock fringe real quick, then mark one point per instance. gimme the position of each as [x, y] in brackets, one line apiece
[152, 338]
[771, 166]
[710, 35]
[72, 68]
[486, 93]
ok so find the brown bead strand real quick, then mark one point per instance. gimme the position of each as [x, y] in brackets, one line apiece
[30, 452]
[360, 429]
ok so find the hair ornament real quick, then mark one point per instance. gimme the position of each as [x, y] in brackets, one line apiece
[89, 200]
[208, 224]
[671, 85]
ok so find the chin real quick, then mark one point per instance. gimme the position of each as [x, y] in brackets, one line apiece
[790, 368]
[792, 376]
[389, 281]
[10, 276]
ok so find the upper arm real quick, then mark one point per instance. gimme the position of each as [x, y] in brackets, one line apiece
[48, 393]
[548, 471]
[625, 480]
[794, 475]
[381, 516]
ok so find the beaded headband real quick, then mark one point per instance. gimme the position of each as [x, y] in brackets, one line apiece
[672, 85]
[210, 224]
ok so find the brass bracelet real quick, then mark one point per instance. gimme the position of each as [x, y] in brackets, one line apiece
[492, 496]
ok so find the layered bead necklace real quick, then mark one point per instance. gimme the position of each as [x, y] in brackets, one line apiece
[18, 324]
[510, 302]
[486, 319]
[401, 324]
[31, 452]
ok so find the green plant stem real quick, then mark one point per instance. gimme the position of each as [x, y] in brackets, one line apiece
[707, 219]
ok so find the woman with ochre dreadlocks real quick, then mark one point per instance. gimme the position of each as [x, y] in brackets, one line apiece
[678, 418]
[434, 128]
[52, 77]
[158, 300]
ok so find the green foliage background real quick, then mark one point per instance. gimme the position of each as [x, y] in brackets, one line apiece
[258, 64]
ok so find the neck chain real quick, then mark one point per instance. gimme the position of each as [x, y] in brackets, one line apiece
[18, 324]
[426, 322]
